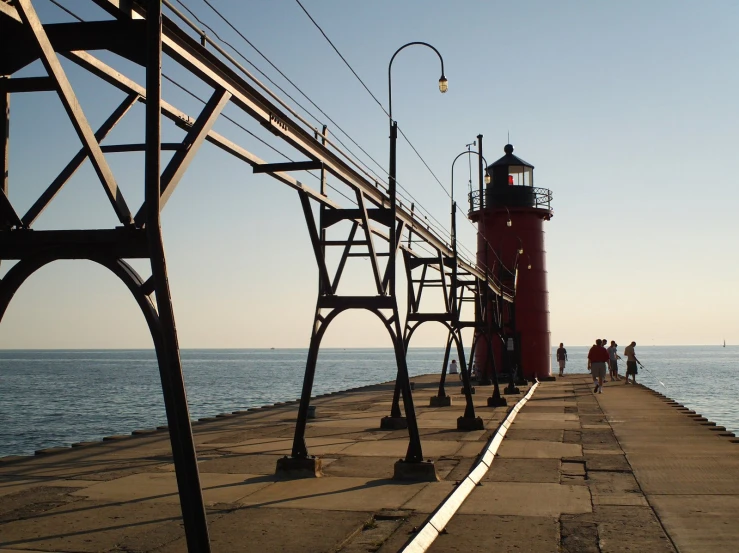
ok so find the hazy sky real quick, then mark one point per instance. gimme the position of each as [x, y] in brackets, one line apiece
[627, 109]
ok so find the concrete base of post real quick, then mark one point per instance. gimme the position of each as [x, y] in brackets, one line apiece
[438, 401]
[298, 467]
[497, 401]
[468, 424]
[393, 423]
[422, 471]
[511, 390]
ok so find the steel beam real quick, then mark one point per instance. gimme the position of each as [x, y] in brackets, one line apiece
[344, 256]
[74, 111]
[125, 38]
[43, 201]
[289, 166]
[123, 243]
[356, 302]
[178, 415]
[8, 216]
[324, 282]
[4, 137]
[190, 145]
[370, 244]
[27, 84]
[122, 148]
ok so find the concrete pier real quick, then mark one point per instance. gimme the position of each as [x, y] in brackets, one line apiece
[625, 470]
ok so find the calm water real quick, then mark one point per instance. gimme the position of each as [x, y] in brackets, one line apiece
[52, 398]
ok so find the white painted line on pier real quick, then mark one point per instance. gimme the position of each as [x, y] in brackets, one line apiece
[444, 512]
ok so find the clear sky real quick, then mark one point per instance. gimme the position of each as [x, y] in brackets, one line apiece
[628, 110]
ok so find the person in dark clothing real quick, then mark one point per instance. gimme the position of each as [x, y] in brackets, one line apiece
[561, 358]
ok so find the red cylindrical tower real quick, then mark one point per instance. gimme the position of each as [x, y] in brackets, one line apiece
[510, 214]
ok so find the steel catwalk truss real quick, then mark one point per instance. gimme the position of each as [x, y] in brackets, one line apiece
[140, 33]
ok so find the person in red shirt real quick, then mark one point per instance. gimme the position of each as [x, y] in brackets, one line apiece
[598, 358]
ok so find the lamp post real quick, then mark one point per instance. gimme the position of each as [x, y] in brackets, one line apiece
[454, 210]
[414, 455]
[443, 87]
[467, 386]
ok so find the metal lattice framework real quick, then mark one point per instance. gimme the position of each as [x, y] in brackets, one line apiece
[378, 225]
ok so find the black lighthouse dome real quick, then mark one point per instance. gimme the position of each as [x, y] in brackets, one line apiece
[512, 181]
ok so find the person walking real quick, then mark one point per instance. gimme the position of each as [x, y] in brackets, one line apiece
[613, 361]
[561, 358]
[631, 362]
[598, 357]
[590, 369]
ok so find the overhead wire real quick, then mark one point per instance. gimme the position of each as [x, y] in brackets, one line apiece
[346, 62]
[341, 56]
[320, 29]
[64, 9]
[245, 39]
[407, 196]
[351, 157]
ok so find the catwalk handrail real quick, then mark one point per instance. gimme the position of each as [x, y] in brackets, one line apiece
[540, 198]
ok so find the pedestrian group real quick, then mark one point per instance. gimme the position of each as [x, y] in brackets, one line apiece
[603, 360]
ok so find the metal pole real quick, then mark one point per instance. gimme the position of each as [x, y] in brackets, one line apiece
[480, 158]
[178, 416]
[4, 138]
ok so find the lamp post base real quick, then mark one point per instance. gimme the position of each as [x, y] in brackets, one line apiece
[439, 401]
[299, 467]
[468, 424]
[498, 401]
[421, 471]
[393, 423]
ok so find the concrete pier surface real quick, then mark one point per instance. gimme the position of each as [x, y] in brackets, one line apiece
[625, 470]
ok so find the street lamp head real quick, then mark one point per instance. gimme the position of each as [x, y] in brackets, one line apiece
[529, 266]
[443, 84]
[509, 223]
[487, 178]
[520, 250]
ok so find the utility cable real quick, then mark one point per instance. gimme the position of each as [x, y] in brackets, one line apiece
[369, 92]
[225, 20]
[343, 58]
[299, 90]
[353, 159]
[58, 5]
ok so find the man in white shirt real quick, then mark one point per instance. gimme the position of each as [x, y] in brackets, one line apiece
[453, 367]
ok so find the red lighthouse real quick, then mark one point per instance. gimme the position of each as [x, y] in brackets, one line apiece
[510, 214]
